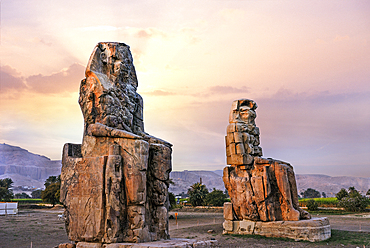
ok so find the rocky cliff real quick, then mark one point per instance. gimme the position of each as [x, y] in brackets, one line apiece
[184, 179]
[26, 168]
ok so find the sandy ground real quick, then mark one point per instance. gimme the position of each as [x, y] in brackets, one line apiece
[42, 228]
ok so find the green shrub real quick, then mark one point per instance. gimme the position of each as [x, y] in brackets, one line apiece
[341, 194]
[215, 198]
[354, 204]
[312, 205]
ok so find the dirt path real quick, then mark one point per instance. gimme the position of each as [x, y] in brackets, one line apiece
[197, 225]
[44, 229]
[41, 227]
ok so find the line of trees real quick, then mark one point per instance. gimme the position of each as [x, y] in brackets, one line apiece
[199, 196]
[352, 200]
[51, 193]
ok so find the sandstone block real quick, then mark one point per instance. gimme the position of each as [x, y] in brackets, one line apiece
[89, 245]
[115, 184]
[260, 189]
[313, 230]
[228, 211]
[240, 159]
[67, 245]
[228, 225]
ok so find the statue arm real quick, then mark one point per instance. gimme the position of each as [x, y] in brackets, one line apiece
[100, 130]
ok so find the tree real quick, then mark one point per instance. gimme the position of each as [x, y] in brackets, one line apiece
[5, 192]
[197, 194]
[323, 194]
[36, 194]
[311, 193]
[215, 198]
[353, 192]
[22, 196]
[368, 192]
[341, 194]
[353, 201]
[172, 199]
[51, 180]
[51, 194]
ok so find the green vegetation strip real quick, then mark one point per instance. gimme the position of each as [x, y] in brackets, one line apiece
[328, 202]
[26, 201]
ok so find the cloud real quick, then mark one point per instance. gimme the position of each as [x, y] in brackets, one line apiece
[339, 38]
[67, 80]
[218, 89]
[100, 28]
[10, 79]
[159, 93]
[309, 130]
[148, 33]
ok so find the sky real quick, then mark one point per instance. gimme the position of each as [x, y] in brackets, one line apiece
[305, 63]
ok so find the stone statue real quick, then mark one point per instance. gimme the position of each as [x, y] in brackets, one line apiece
[115, 185]
[260, 189]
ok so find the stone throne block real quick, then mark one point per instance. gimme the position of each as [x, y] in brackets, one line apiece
[263, 191]
[115, 184]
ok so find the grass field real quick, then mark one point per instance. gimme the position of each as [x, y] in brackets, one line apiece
[27, 201]
[323, 202]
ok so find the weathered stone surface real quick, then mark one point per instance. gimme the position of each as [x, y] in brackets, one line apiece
[315, 229]
[260, 189]
[115, 184]
[178, 243]
[228, 211]
[67, 245]
[242, 139]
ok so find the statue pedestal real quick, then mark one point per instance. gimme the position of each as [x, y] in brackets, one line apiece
[156, 244]
[313, 230]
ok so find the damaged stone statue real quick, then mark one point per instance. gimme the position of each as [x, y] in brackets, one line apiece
[115, 184]
[261, 189]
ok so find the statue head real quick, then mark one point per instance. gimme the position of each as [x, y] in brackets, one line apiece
[108, 94]
[243, 110]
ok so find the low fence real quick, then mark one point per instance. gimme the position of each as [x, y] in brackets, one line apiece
[8, 208]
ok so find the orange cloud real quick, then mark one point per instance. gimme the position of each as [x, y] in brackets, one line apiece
[10, 79]
[64, 81]
[158, 93]
[339, 38]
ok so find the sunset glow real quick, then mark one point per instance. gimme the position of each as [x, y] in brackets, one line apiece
[305, 63]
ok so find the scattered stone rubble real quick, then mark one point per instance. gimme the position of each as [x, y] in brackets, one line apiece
[262, 190]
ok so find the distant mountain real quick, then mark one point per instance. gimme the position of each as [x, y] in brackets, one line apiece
[322, 183]
[331, 185]
[28, 169]
[184, 179]
[25, 168]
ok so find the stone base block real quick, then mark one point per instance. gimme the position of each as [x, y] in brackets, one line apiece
[178, 243]
[315, 229]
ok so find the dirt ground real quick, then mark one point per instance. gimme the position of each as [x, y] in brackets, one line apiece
[39, 228]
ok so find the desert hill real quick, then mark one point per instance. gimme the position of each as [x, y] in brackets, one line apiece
[25, 168]
[28, 169]
[184, 179]
[331, 185]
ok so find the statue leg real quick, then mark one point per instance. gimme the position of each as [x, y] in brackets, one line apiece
[286, 201]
